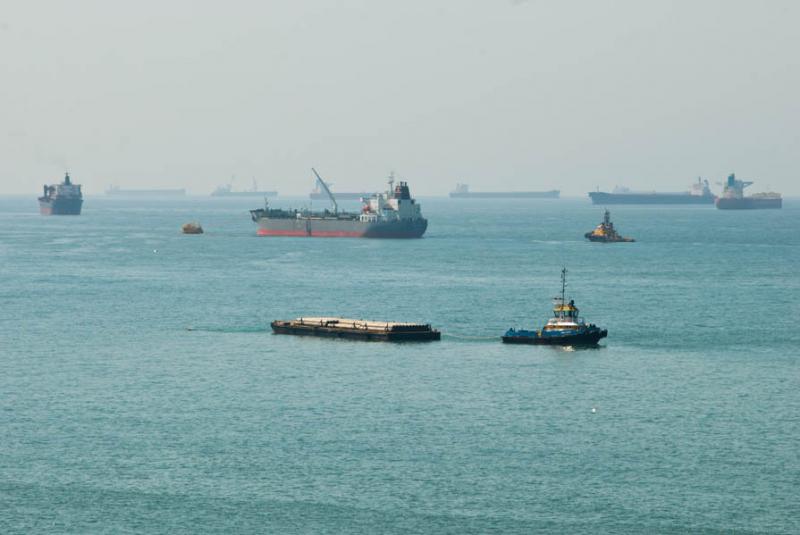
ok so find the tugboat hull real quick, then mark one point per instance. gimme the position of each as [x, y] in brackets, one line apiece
[533, 338]
[593, 237]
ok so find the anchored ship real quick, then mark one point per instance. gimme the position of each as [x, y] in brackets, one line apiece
[61, 199]
[227, 191]
[698, 194]
[357, 329]
[733, 197]
[605, 232]
[116, 190]
[321, 194]
[393, 214]
[565, 328]
[462, 192]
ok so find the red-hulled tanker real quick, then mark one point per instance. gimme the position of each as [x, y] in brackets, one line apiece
[393, 214]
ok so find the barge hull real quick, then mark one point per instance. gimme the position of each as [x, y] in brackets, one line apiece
[421, 334]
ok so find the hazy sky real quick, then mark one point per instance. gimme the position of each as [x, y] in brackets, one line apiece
[496, 93]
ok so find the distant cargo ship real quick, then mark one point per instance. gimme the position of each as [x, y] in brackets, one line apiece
[116, 190]
[698, 194]
[462, 192]
[320, 194]
[61, 199]
[393, 214]
[227, 191]
[733, 197]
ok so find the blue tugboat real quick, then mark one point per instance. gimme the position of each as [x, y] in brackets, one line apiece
[565, 328]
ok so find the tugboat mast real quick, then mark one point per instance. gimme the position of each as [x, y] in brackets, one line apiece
[563, 290]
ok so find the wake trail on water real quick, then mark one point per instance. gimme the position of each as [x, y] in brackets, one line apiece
[262, 330]
[229, 330]
[465, 338]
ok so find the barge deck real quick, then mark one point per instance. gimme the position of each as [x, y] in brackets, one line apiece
[357, 329]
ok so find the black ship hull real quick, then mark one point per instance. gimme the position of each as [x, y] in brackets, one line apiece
[749, 203]
[60, 206]
[583, 339]
[603, 239]
[600, 197]
[374, 335]
[552, 194]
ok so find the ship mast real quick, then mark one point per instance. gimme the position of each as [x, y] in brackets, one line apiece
[327, 191]
[563, 288]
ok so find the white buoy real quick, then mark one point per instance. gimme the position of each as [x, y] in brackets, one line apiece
[594, 410]
[155, 250]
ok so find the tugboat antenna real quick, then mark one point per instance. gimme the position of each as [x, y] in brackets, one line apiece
[563, 287]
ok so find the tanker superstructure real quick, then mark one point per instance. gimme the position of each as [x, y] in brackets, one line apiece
[698, 194]
[393, 214]
[733, 197]
[61, 199]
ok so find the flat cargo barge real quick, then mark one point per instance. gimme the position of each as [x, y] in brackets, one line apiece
[357, 329]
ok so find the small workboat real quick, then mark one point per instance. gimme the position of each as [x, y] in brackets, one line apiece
[191, 228]
[605, 232]
[565, 328]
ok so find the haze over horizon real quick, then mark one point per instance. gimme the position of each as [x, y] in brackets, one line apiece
[517, 95]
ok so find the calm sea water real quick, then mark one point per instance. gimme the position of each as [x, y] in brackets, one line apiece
[141, 390]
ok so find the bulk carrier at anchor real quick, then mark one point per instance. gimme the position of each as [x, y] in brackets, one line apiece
[393, 214]
[733, 197]
[698, 194]
[61, 199]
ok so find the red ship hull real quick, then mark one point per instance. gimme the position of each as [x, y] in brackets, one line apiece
[340, 228]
